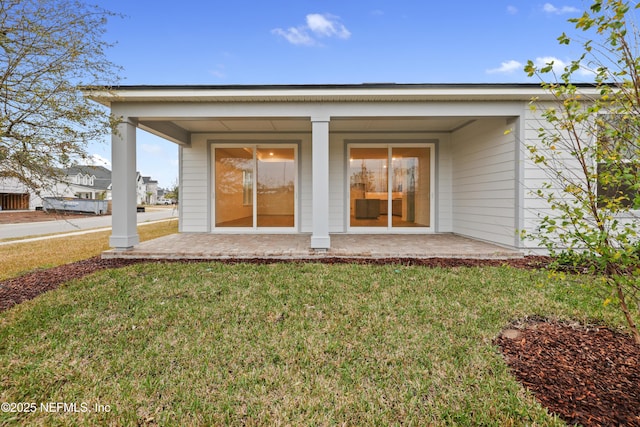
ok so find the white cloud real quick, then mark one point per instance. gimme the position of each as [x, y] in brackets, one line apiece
[98, 160]
[559, 65]
[549, 8]
[327, 26]
[511, 66]
[317, 26]
[507, 67]
[295, 36]
[512, 10]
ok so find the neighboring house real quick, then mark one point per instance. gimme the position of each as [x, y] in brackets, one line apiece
[146, 190]
[85, 182]
[324, 159]
[151, 192]
[14, 195]
[141, 189]
[81, 181]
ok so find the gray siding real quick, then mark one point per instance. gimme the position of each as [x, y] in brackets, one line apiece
[483, 181]
[194, 188]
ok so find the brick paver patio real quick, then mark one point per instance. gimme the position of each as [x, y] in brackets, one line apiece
[288, 246]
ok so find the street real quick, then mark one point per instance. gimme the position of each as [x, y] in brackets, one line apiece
[76, 224]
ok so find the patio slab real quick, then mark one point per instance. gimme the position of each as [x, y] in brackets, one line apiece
[296, 246]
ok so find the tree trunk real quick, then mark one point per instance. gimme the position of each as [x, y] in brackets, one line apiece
[627, 314]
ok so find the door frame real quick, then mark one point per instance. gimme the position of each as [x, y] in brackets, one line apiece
[390, 144]
[254, 145]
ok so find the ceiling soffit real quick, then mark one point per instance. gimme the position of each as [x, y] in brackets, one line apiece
[181, 129]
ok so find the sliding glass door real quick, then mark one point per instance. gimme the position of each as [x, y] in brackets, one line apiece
[255, 186]
[390, 186]
[275, 189]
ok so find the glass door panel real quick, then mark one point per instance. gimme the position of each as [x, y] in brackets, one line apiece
[234, 187]
[368, 177]
[410, 188]
[275, 187]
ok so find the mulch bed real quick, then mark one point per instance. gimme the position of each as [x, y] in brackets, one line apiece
[585, 374]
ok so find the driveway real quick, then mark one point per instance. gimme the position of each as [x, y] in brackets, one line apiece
[75, 223]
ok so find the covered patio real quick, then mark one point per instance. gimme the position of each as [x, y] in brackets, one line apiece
[320, 162]
[296, 246]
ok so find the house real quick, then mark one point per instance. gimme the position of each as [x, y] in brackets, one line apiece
[326, 159]
[85, 182]
[14, 195]
[151, 190]
[146, 190]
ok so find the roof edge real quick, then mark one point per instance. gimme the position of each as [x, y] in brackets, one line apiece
[363, 92]
[331, 86]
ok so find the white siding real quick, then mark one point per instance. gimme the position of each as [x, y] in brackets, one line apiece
[535, 177]
[483, 181]
[305, 217]
[337, 165]
[194, 188]
[444, 200]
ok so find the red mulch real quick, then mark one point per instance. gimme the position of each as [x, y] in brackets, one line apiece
[586, 375]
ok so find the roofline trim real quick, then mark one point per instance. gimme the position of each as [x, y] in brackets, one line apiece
[365, 92]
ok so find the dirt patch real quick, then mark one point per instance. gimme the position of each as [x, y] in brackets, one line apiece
[20, 217]
[586, 375]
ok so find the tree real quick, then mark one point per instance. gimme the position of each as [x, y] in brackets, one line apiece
[49, 50]
[590, 148]
[174, 192]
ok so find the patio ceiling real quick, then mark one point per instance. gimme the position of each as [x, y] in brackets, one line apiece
[179, 130]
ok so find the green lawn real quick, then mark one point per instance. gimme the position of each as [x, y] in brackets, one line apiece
[282, 344]
[20, 258]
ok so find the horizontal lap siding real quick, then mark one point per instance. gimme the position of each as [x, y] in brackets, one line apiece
[194, 188]
[483, 184]
[306, 184]
[443, 199]
[336, 185]
[535, 177]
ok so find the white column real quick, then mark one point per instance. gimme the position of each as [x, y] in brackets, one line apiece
[320, 186]
[124, 232]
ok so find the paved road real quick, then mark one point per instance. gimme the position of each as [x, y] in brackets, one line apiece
[67, 225]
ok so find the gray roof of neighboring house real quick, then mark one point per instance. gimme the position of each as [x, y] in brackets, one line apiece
[147, 180]
[102, 175]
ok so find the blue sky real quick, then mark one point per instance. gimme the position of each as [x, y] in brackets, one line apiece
[326, 41]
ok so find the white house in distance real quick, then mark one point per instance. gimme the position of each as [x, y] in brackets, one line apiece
[147, 190]
[80, 181]
[85, 182]
[325, 159]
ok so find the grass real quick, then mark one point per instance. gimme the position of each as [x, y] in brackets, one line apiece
[282, 344]
[19, 258]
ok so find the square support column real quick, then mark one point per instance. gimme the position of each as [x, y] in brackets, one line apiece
[124, 231]
[320, 182]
